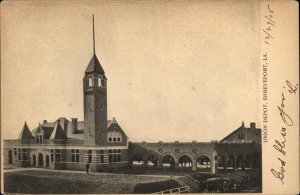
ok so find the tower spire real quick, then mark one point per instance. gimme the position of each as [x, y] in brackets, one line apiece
[94, 35]
[94, 65]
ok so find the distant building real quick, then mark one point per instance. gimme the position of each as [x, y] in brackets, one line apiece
[240, 150]
[71, 144]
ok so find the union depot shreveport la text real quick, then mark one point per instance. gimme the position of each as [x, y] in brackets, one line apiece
[104, 145]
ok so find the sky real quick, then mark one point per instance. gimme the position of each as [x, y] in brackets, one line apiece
[185, 70]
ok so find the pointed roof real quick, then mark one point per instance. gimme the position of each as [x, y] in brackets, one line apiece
[58, 132]
[256, 132]
[110, 122]
[242, 127]
[40, 130]
[94, 66]
[25, 133]
[46, 130]
[117, 127]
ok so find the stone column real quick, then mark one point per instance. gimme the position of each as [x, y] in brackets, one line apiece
[160, 163]
[37, 160]
[44, 160]
[176, 164]
[145, 163]
[225, 163]
[31, 160]
[194, 165]
[213, 164]
[234, 163]
[243, 162]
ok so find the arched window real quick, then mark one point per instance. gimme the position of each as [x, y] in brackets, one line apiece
[90, 82]
[100, 81]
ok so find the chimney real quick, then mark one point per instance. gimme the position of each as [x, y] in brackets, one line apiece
[74, 125]
[44, 121]
[252, 126]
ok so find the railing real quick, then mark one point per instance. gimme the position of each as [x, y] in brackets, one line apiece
[184, 189]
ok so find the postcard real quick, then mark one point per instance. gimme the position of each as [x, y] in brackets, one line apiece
[139, 97]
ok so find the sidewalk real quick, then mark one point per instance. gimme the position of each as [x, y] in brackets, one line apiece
[17, 169]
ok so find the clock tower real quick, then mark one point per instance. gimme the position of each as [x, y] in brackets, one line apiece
[95, 101]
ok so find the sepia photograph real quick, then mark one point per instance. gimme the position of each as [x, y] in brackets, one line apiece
[136, 97]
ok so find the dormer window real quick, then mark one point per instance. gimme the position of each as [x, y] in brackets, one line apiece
[241, 135]
[90, 82]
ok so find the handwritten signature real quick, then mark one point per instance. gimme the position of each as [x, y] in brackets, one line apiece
[287, 120]
[285, 117]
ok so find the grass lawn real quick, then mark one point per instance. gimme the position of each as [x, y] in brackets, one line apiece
[50, 182]
[141, 170]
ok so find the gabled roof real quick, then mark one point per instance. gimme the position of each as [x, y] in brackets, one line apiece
[113, 125]
[242, 128]
[46, 129]
[40, 130]
[25, 133]
[63, 121]
[51, 130]
[58, 132]
[94, 66]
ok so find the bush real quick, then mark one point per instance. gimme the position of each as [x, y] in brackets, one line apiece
[146, 188]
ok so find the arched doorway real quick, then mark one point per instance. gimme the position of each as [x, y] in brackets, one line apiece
[152, 161]
[41, 160]
[185, 162]
[47, 160]
[10, 156]
[137, 160]
[34, 160]
[168, 162]
[203, 163]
